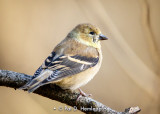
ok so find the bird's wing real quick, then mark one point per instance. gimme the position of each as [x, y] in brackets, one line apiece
[39, 72]
[66, 65]
[46, 63]
[55, 68]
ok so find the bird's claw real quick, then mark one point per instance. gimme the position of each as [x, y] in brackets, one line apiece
[82, 94]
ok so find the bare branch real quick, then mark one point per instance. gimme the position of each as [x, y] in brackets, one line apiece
[85, 104]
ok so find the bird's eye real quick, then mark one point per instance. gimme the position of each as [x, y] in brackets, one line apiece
[92, 33]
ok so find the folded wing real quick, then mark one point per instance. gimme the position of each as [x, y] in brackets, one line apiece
[55, 68]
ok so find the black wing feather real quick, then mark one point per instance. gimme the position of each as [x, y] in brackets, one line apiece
[73, 67]
[46, 64]
[62, 67]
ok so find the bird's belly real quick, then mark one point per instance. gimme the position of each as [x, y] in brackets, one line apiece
[78, 80]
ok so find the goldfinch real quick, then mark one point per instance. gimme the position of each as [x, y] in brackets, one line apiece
[73, 62]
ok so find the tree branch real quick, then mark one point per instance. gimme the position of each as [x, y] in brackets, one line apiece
[84, 104]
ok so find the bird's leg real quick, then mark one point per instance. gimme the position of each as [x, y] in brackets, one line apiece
[82, 94]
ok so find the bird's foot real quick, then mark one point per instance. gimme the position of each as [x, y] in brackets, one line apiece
[82, 94]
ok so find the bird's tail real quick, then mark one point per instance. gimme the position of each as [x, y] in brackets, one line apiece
[29, 84]
[36, 82]
[31, 89]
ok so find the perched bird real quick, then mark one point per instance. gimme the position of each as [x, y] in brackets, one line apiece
[73, 62]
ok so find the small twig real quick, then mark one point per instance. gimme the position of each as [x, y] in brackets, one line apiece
[84, 104]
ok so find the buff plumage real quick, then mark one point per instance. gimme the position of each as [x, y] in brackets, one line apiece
[73, 62]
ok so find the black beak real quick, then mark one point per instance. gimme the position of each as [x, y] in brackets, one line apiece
[102, 37]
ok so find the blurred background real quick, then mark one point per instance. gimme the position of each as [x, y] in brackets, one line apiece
[130, 72]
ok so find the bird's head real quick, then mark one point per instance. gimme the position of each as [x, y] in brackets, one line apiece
[87, 34]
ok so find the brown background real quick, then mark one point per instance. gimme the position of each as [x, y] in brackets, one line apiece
[129, 76]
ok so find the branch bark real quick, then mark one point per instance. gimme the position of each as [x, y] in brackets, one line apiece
[84, 104]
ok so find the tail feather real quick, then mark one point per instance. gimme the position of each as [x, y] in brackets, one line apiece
[25, 86]
[37, 81]
[32, 89]
[29, 84]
